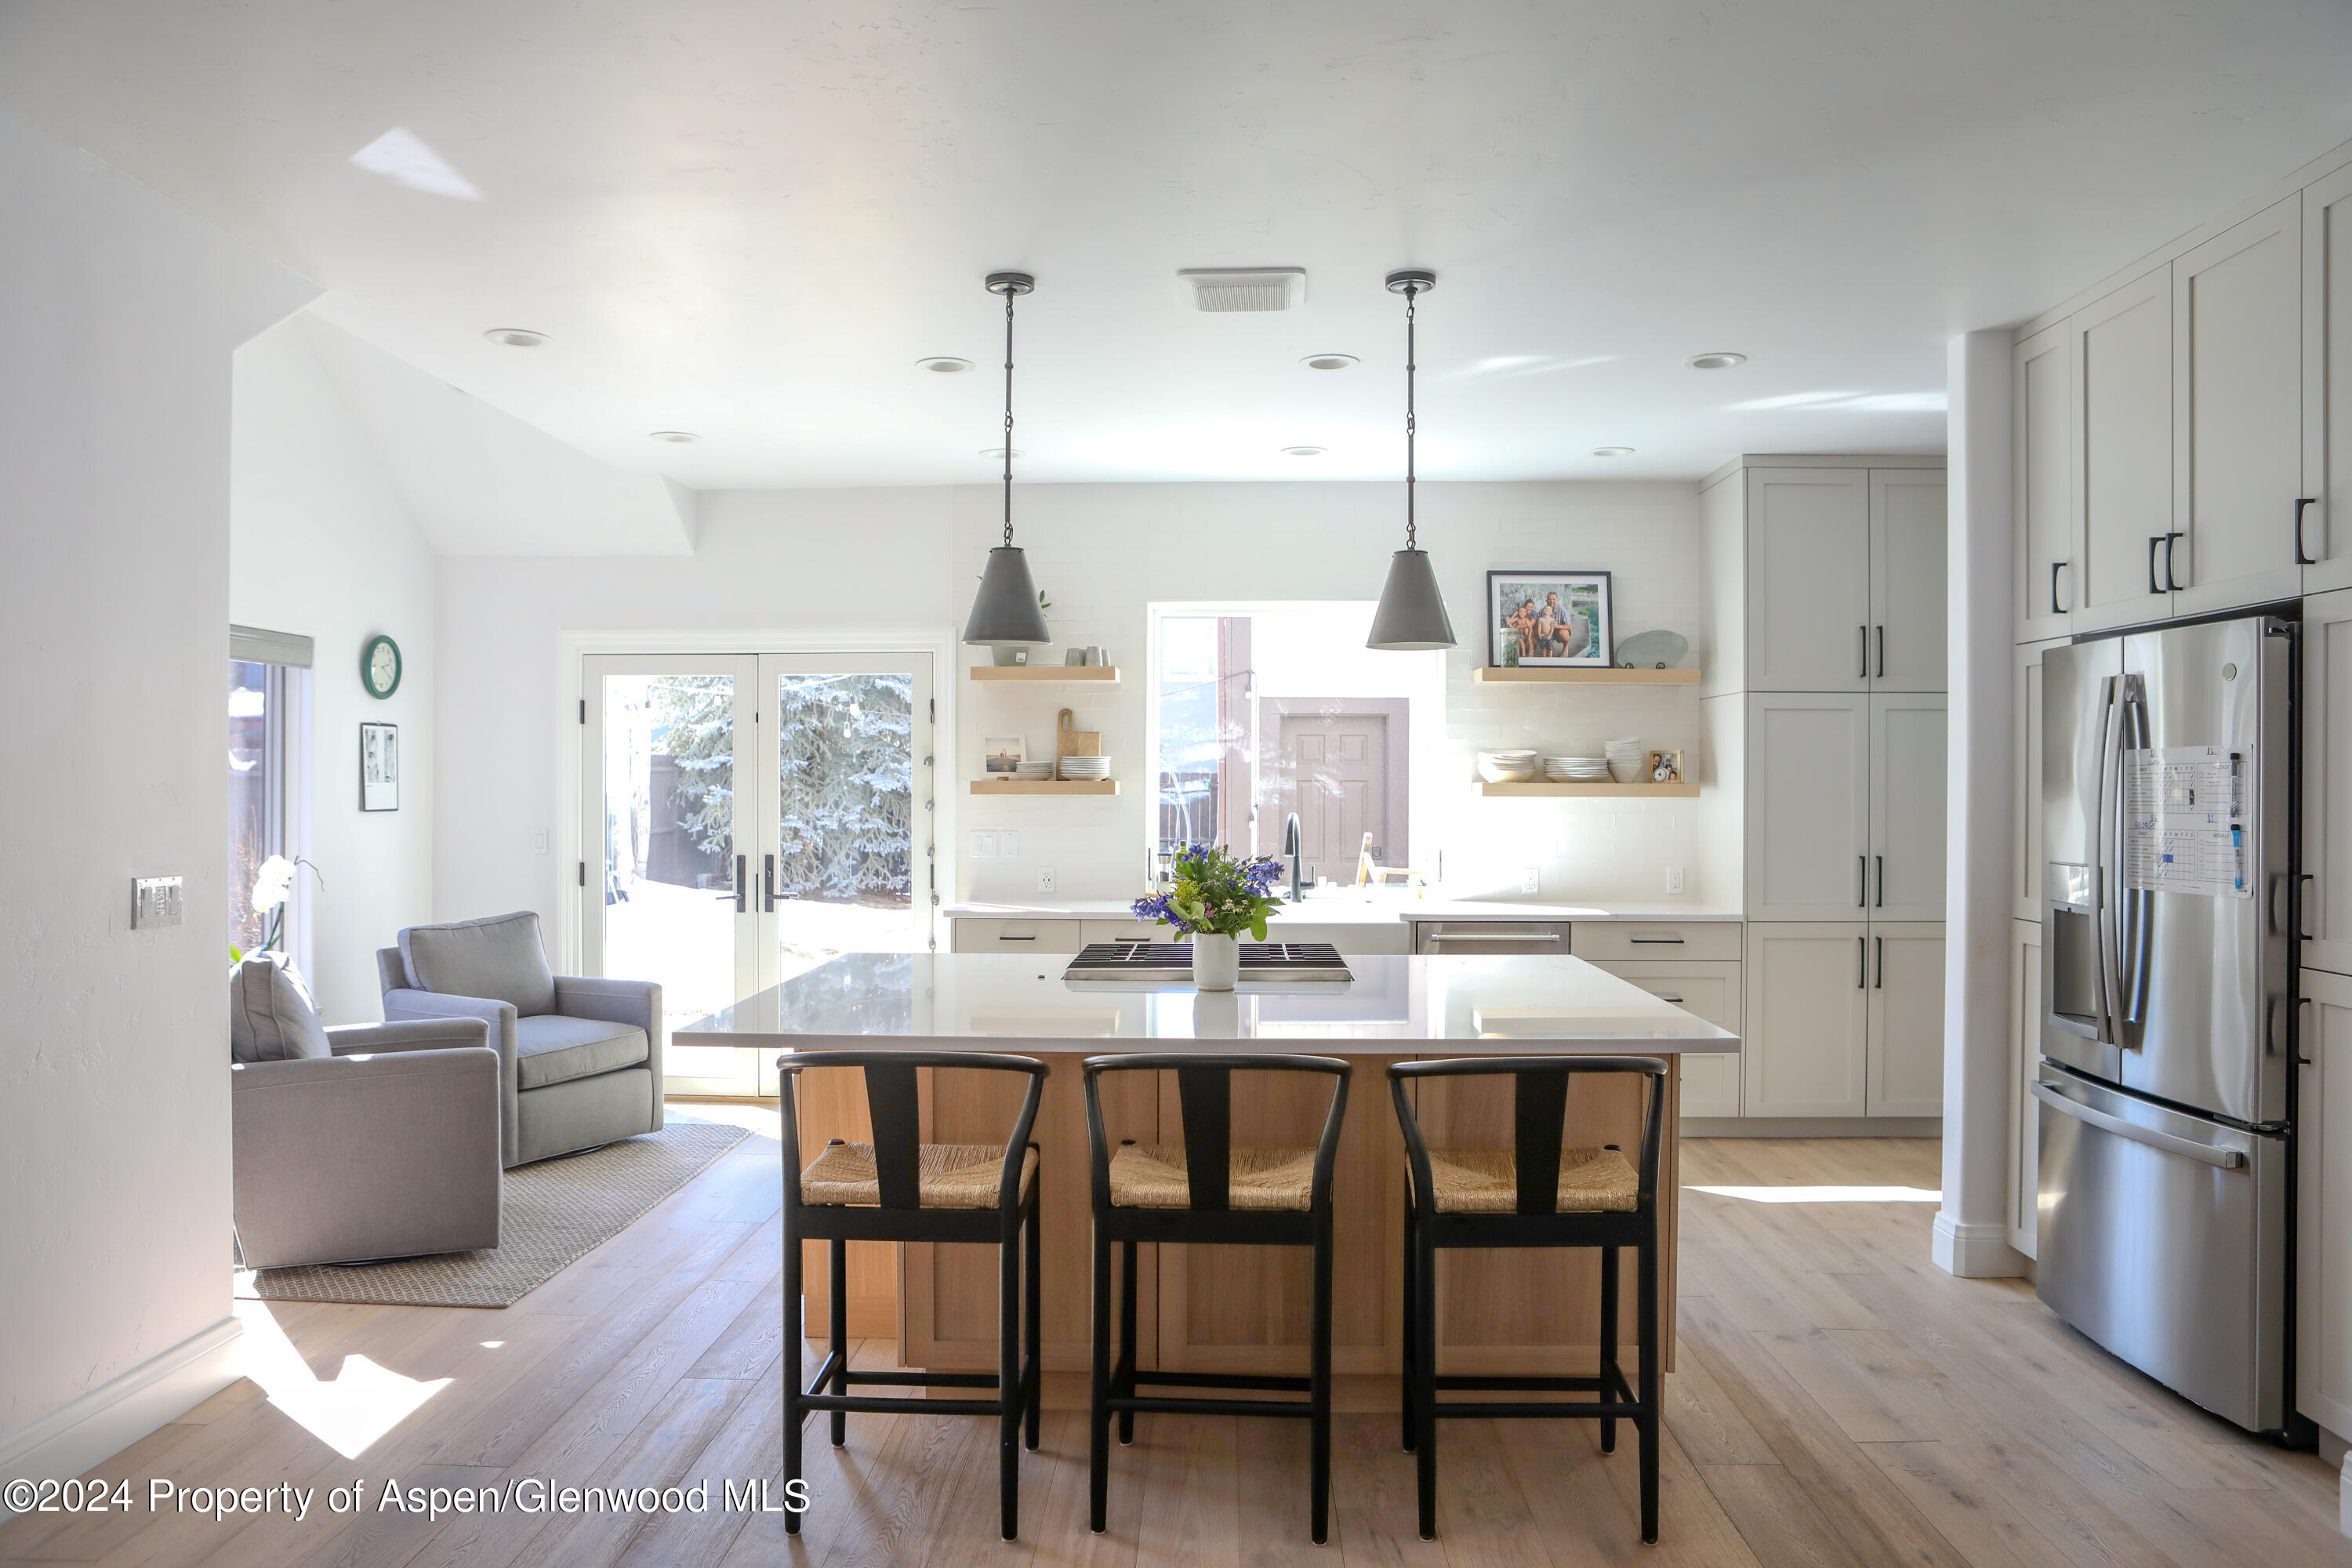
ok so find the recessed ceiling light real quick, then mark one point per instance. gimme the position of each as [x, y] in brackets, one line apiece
[516, 337]
[1329, 362]
[1719, 360]
[998, 453]
[1302, 451]
[676, 437]
[945, 364]
[1612, 451]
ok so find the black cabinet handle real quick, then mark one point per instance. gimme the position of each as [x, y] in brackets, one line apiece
[742, 885]
[2054, 565]
[1880, 983]
[2297, 904]
[1882, 653]
[2154, 540]
[1861, 961]
[1881, 882]
[1862, 881]
[1862, 638]
[2301, 505]
[2172, 581]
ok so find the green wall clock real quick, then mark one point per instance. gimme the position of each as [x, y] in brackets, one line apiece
[380, 667]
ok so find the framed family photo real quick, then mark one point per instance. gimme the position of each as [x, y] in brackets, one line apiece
[1556, 619]
[379, 767]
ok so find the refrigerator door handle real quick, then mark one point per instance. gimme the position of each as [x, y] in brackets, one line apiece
[2138, 908]
[2105, 836]
[2187, 1148]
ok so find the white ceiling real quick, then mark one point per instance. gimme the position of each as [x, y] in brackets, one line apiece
[749, 219]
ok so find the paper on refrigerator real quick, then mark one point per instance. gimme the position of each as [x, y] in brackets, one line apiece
[2185, 826]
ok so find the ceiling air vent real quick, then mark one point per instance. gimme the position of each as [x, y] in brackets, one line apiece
[1222, 290]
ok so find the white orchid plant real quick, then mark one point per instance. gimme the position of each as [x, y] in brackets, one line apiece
[272, 885]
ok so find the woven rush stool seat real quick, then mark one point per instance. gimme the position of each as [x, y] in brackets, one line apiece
[948, 1175]
[1155, 1176]
[1487, 1181]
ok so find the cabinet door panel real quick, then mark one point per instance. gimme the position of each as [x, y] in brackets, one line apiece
[2327, 382]
[1906, 1020]
[2123, 380]
[1808, 579]
[2237, 316]
[1808, 809]
[2326, 900]
[2323, 1379]
[2024, 1066]
[1907, 751]
[1710, 1081]
[1808, 1020]
[2025, 781]
[1907, 569]
[2050, 568]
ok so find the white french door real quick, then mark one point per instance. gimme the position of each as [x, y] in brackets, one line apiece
[743, 818]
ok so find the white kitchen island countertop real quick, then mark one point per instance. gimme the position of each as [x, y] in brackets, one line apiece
[1357, 910]
[1395, 1005]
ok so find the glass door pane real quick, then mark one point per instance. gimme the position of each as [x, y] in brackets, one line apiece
[665, 749]
[853, 857]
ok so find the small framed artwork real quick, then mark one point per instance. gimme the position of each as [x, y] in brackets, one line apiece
[1666, 767]
[379, 767]
[1548, 619]
[1001, 755]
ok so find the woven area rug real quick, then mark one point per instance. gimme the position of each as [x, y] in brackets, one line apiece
[555, 1210]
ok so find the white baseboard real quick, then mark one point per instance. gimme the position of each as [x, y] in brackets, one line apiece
[105, 1421]
[1812, 1126]
[1977, 1250]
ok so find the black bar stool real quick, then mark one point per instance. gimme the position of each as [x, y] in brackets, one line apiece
[899, 1188]
[1205, 1191]
[1534, 1194]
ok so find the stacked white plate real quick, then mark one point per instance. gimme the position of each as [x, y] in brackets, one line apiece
[1628, 762]
[1515, 766]
[1078, 768]
[1576, 769]
[1033, 773]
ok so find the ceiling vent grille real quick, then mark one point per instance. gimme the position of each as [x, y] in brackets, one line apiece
[1224, 289]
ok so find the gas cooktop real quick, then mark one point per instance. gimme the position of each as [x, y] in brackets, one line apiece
[1282, 961]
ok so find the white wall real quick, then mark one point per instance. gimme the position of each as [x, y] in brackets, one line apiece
[321, 544]
[119, 312]
[780, 563]
[773, 561]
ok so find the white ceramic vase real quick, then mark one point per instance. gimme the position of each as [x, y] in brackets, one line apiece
[1217, 963]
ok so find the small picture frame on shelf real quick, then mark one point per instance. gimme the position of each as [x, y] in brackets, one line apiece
[1666, 767]
[1548, 619]
[379, 767]
[1000, 756]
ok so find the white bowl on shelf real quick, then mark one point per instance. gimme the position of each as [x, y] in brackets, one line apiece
[1513, 766]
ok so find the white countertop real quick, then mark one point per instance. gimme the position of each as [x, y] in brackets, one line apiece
[1551, 1005]
[1388, 910]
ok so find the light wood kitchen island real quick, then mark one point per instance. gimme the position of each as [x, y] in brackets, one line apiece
[1218, 1308]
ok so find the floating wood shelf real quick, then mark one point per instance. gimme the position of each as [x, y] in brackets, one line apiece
[1614, 791]
[1537, 675]
[1102, 674]
[1053, 786]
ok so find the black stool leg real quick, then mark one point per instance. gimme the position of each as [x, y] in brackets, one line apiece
[1412, 1330]
[1010, 1396]
[1645, 1295]
[794, 1368]
[840, 1314]
[1424, 1391]
[1319, 1381]
[1032, 1332]
[1099, 1420]
[1127, 1321]
[1609, 1372]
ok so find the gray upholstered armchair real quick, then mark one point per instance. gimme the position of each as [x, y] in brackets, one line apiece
[580, 1061]
[373, 1140]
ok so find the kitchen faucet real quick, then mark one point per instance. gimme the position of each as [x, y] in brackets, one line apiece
[1290, 849]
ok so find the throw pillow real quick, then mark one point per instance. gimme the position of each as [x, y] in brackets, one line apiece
[271, 1018]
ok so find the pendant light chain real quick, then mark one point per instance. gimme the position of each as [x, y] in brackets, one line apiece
[1411, 290]
[1008, 416]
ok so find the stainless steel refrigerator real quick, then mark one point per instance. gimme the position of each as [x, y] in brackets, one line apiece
[2167, 1030]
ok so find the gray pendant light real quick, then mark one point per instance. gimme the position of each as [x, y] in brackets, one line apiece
[1006, 610]
[1412, 616]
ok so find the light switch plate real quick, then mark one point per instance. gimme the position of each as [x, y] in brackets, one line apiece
[538, 842]
[1008, 843]
[983, 846]
[154, 901]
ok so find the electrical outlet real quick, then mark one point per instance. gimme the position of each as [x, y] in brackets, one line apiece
[1674, 878]
[154, 901]
[1044, 878]
[1531, 880]
[983, 846]
[1008, 844]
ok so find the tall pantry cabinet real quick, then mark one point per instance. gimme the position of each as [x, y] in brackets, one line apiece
[1825, 706]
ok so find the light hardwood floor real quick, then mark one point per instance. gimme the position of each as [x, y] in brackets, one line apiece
[1839, 1401]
